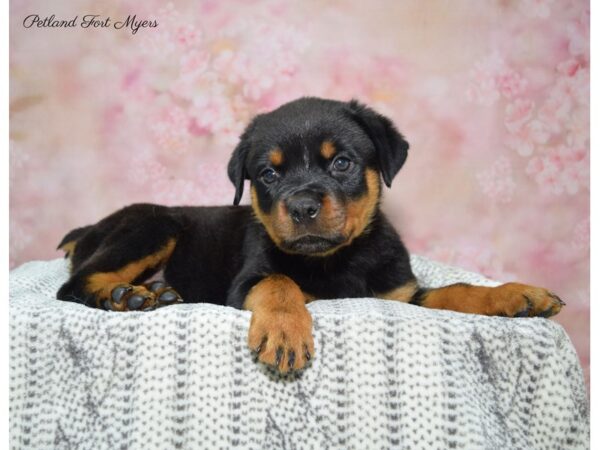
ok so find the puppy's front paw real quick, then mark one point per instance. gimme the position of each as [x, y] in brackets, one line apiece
[521, 300]
[282, 338]
[127, 297]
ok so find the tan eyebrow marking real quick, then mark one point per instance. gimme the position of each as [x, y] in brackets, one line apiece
[327, 149]
[276, 157]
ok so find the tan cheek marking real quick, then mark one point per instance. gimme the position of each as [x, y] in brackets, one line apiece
[332, 216]
[276, 157]
[327, 149]
[401, 294]
[360, 212]
[277, 223]
[265, 219]
[103, 282]
[327, 205]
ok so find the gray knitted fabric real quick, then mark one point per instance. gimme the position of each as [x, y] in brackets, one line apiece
[385, 375]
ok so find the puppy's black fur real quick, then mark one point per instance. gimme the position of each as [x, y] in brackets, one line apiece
[221, 252]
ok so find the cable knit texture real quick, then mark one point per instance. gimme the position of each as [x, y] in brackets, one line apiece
[385, 375]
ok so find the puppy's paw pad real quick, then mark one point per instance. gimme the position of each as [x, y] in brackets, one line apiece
[165, 295]
[169, 296]
[136, 301]
[155, 286]
[117, 293]
[127, 297]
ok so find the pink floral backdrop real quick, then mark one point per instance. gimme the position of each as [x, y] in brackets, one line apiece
[493, 97]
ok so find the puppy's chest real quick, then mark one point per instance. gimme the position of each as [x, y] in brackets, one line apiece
[324, 282]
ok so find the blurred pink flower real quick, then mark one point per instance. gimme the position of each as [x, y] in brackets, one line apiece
[194, 63]
[577, 129]
[491, 78]
[579, 39]
[554, 111]
[569, 92]
[510, 83]
[188, 36]
[521, 143]
[148, 169]
[538, 131]
[483, 88]
[170, 128]
[518, 113]
[562, 169]
[213, 111]
[570, 67]
[497, 181]
[581, 236]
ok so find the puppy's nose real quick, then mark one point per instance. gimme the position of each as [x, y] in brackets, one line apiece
[303, 207]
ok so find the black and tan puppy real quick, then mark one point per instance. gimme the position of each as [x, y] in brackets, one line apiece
[314, 231]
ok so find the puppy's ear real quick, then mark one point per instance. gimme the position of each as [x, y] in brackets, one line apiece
[390, 146]
[236, 169]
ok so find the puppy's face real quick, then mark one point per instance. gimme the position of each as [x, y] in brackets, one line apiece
[315, 168]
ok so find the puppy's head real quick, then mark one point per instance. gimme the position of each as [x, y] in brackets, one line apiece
[315, 168]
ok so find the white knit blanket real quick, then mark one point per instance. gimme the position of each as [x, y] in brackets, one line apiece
[385, 375]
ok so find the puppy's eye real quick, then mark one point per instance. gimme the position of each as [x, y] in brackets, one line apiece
[341, 164]
[268, 176]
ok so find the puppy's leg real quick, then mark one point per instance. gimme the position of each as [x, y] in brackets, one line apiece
[510, 299]
[124, 254]
[281, 326]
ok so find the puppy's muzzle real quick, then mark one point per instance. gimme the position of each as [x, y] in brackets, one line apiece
[303, 207]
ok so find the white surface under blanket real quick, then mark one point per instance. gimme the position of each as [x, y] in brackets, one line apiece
[385, 375]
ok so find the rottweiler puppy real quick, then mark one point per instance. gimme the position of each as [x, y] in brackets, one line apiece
[314, 230]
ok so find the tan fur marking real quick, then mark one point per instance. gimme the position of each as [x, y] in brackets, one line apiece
[402, 294]
[103, 283]
[69, 248]
[327, 149]
[507, 299]
[332, 214]
[360, 212]
[277, 222]
[327, 207]
[276, 157]
[280, 322]
[264, 218]
[274, 291]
